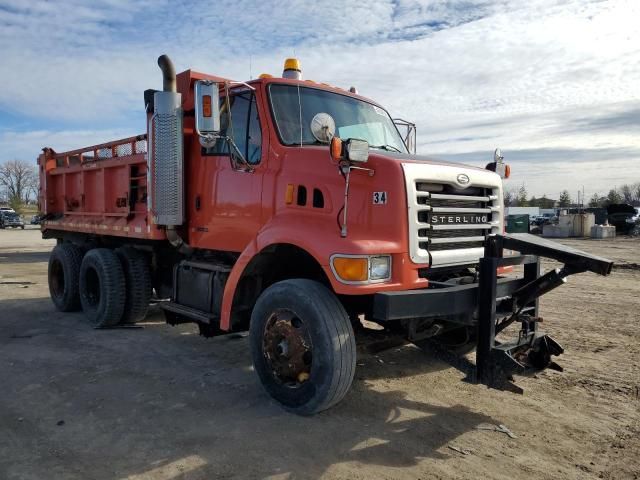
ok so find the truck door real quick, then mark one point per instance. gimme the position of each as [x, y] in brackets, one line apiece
[228, 205]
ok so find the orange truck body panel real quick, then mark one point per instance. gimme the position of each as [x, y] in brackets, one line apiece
[98, 190]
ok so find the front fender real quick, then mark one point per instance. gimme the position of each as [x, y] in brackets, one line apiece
[312, 234]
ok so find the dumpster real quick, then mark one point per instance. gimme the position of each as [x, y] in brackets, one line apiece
[518, 223]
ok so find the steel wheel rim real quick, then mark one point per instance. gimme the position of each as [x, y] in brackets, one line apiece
[287, 348]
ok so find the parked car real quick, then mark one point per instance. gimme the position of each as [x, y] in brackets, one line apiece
[623, 216]
[36, 219]
[11, 219]
[544, 219]
[634, 222]
[7, 209]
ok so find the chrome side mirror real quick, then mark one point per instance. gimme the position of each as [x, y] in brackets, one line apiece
[351, 150]
[357, 150]
[207, 111]
[498, 165]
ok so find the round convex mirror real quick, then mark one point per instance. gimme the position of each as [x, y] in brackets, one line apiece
[323, 127]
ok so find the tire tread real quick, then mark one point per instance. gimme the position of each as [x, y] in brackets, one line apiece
[338, 327]
[112, 287]
[70, 256]
[138, 284]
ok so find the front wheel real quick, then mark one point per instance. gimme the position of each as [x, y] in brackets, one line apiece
[303, 346]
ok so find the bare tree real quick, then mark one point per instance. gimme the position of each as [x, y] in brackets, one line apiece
[626, 191]
[521, 196]
[19, 178]
[509, 197]
[596, 200]
[565, 199]
[613, 197]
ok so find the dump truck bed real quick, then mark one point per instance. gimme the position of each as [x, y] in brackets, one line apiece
[101, 189]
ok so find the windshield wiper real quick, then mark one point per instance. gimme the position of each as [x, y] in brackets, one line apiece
[389, 148]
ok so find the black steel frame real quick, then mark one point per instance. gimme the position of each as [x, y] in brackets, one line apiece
[497, 362]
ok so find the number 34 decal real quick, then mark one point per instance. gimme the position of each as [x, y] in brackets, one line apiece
[379, 198]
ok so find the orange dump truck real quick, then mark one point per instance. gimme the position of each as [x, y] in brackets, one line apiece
[292, 209]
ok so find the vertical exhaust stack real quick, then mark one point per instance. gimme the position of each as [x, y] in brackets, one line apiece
[167, 156]
[168, 74]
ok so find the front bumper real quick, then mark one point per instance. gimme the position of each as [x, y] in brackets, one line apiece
[435, 302]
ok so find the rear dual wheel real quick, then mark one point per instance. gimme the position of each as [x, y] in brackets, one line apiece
[111, 286]
[102, 287]
[64, 276]
[137, 276]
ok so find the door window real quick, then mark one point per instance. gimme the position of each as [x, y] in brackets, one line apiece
[244, 128]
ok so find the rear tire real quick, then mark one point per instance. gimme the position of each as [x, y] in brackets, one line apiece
[138, 284]
[303, 346]
[64, 275]
[102, 287]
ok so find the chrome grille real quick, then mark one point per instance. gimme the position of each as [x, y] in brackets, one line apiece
[454, 207]
[449, 220]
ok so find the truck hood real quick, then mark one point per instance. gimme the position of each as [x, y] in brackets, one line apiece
[423, 159]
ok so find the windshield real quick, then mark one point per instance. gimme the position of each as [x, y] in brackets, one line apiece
[354, 118]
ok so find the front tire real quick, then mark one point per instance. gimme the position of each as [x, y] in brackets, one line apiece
[303, 346]
[102, 287]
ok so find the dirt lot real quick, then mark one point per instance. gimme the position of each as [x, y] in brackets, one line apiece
[160, 402]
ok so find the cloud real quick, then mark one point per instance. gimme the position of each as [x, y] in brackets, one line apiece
[551, 170]
[13, 145]
[625, 119]
[524, 75]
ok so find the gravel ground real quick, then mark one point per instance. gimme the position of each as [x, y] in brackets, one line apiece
[160, 402]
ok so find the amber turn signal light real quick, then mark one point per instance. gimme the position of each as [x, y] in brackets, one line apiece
[288, 196]
[336, 148]
[206, 105]
[351, 269]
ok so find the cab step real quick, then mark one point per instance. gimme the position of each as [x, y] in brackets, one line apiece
[193, 314]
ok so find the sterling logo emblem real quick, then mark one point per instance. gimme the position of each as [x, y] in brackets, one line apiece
[453, 219]
[463, 179]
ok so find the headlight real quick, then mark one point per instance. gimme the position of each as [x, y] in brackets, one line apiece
[380, 267]
[361, 269]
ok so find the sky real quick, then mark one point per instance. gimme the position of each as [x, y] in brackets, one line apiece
[554, 84]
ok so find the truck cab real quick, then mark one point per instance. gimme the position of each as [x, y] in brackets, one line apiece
[402, 219]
